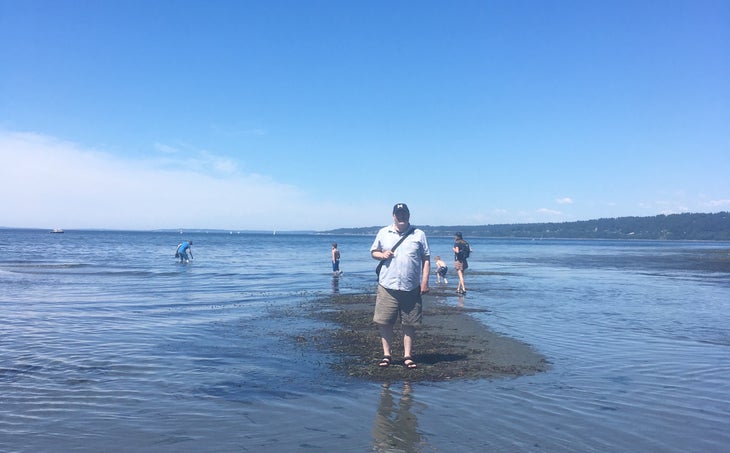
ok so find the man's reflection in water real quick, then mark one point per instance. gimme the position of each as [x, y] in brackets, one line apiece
[460, 303]
[335, 285]
[396, 427]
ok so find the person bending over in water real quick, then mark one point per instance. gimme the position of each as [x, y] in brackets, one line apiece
[182, 251]
[441, 270]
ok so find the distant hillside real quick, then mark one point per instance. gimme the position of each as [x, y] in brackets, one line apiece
[691, 226]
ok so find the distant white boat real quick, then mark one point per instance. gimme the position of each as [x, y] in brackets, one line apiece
[57, 230]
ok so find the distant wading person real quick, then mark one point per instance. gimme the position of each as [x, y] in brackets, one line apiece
[335, 260]
[182, 251]
[441, 270]
[461, 253]
[403, 278]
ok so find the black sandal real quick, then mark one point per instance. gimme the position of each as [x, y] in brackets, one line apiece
[385, 361]
[409, 363]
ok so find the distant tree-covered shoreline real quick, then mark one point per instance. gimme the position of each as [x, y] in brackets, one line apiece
[688, 226]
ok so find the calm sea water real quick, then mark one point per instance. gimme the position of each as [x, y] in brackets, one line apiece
[106, 344]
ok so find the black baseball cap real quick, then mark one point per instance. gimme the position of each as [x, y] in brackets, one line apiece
[401, 207]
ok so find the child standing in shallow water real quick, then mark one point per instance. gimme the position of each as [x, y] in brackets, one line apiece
[335, 260]
[441, 270]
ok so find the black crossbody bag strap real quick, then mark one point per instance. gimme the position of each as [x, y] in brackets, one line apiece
[403, 238]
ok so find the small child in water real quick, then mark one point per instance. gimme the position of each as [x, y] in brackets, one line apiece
[441, 270]
[336, 260]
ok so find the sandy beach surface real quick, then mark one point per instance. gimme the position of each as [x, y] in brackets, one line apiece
[450, 344]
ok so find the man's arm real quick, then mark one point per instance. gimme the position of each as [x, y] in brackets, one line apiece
[380, 255]
[426, 270]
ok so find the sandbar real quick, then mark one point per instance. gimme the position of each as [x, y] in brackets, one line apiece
[450, 344]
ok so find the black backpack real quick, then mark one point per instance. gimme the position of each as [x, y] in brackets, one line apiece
[465, 250]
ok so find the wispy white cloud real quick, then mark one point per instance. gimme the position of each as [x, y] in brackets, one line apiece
[674, 210]
[551, 212]
[187, 157]
[718, 204]
[665, 207]
[218, 164]
[48, 182]
[166, 149]
[566, 200]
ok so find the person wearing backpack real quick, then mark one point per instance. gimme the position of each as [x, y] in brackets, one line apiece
[461, 253]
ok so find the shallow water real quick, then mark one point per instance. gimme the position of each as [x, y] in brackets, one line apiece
[107, 344]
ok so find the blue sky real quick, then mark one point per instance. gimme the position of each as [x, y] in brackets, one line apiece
[323, 114]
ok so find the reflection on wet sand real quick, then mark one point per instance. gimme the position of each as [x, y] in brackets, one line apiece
[396, 427]
[335, 285]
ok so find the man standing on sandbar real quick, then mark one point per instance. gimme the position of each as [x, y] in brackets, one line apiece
[403, 278]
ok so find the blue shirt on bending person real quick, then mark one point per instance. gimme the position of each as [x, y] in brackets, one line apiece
[182, 251]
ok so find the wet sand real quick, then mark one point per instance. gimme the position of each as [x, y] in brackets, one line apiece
[449, 345]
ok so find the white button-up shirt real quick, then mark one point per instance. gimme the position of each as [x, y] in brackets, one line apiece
[403, 272]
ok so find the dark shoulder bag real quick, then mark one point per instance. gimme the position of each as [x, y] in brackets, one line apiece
[380, 264]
